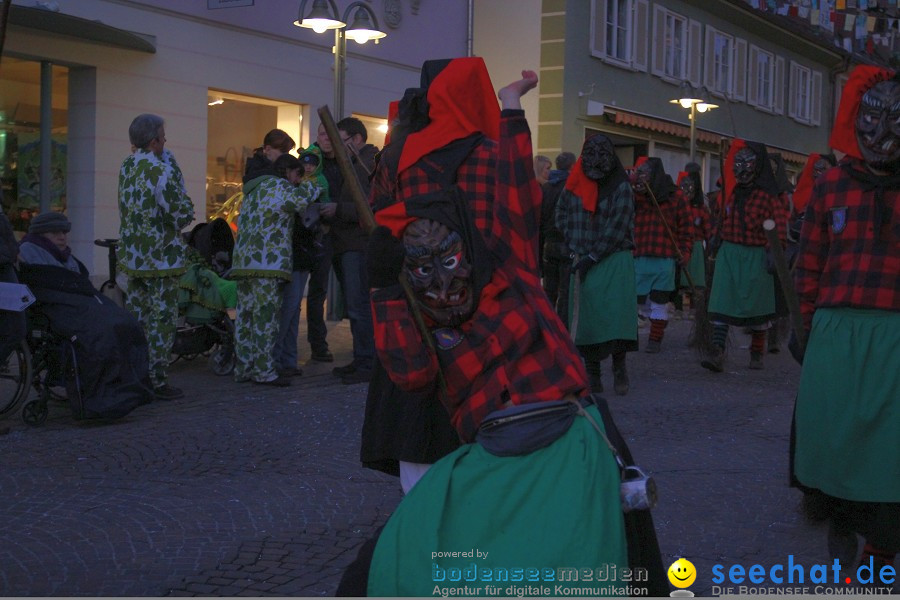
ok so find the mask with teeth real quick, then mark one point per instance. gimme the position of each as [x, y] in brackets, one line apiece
[878, 126]
[745, 162]
[439, 272]
[642, 178]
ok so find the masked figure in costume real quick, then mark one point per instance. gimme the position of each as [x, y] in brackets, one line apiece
[595, 213]
[495, 345]
[655, 254]
[743, 289]
[847, 419]
[691, 190]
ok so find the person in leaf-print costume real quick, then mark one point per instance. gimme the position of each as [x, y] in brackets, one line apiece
[263, 258]
[153, 209]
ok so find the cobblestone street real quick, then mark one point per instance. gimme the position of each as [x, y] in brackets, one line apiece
[248, 490]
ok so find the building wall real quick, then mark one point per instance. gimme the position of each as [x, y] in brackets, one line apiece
[507, 33]
[254, 51]
[589, 80]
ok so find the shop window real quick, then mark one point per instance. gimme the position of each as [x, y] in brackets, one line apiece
[20, 139]
[236, 125]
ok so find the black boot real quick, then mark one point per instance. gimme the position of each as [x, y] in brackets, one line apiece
[620, 374]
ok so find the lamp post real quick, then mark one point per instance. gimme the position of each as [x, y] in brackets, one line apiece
[324, 16]
[697, 103]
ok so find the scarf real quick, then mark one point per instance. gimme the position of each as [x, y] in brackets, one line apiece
[39, 240]
[461, 102]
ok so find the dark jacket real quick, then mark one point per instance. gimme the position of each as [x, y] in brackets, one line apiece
[551, 238]
[346, 233]
[8, 246]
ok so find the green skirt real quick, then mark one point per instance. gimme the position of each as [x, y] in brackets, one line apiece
[653, 273]
[743, 291]
[848, 406]
[556, 507]
[606, 308]
[697, 267]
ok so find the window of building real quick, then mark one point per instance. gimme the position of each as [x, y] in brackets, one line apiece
[236, 126]
[765, 81]
[20, 138]
[619, 32]
[618, 16]
[726, 64]
[676, 46]
[805, 95]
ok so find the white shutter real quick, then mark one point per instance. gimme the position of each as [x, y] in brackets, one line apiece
[739, 70]
[792, 91]
[658, 41]
[598, 28]
[753, 78]
[815, 99]
[778, 85]
[639, 34]
[709, 61]
[695, 53]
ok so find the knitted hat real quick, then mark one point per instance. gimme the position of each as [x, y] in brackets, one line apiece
[49, 222]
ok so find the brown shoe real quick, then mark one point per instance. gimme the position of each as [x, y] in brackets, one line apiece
[714, 361]
[756, 362]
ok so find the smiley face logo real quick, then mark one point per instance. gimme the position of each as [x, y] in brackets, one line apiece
[682, 573]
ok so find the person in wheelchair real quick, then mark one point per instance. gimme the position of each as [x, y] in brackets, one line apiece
[109, 343]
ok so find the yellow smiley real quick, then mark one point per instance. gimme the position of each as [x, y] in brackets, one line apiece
[682, 573]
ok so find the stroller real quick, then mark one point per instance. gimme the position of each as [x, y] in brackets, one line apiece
[206, 300]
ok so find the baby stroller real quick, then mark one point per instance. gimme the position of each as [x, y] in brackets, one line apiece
[206, 299]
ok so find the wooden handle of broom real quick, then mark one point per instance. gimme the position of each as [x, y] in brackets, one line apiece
[787, 283]
[367, 220]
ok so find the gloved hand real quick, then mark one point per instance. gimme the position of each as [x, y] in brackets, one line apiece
[794, 348]
[384, 258]
[584, 265]
[715, 242]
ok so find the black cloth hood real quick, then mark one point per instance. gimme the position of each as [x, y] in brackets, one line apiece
[257, 166]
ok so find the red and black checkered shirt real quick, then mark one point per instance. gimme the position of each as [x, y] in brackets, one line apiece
[650, 237]
[747, 228]
[701, 222]
[514, 348]
[843, 260]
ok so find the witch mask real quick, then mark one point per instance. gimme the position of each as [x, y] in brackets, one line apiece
[745, 166]
[878, 126]
[439, 272]
[597, 159]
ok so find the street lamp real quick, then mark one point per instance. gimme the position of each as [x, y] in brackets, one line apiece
[697, 103]
[324, 16]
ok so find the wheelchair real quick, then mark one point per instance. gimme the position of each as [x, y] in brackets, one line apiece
[43, 362]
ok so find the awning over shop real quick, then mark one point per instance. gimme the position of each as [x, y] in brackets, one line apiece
[621, 117]
[84, 29]
[660, 126]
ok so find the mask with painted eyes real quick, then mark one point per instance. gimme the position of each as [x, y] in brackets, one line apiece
[878, 126]
[597, 160]
[745, 161]
[688, 188]
[641, 179]
[439, 272]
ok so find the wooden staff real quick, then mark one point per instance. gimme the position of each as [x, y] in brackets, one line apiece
[787, 283]
[367, 220]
